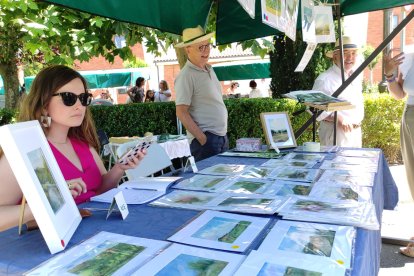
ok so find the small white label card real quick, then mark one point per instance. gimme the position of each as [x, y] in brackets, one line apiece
[192, 163]
[119, 201]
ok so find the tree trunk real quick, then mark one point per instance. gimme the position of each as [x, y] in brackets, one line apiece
[10, 77]
[181, 56]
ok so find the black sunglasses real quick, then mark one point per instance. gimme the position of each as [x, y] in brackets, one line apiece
[70, 98]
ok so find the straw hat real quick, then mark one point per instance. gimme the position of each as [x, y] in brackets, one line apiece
[193, 36]
[348, 44]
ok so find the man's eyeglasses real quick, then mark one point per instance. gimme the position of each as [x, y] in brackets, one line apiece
[70, 98]
[205, 47]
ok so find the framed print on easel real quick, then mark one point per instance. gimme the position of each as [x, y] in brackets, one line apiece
[278, 130]
[41, 181]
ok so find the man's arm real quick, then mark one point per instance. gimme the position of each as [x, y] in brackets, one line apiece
[184, 115]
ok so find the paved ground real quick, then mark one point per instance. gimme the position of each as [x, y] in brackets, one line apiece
[392, 262]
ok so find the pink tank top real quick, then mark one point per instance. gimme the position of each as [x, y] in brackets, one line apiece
[90, 173]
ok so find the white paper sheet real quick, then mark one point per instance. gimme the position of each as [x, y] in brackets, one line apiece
[208, 183]
[273, 14]
[324, 26]
[275, 264]
[311, 241]
[361, 214]
[307, 55]
[124, 254]
[225, 169]
[350, 177]
[223, 231]
[308, 21]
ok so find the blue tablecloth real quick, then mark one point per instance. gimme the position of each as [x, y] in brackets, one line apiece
[22, 253]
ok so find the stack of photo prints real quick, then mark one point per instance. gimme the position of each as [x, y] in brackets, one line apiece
[321, 196]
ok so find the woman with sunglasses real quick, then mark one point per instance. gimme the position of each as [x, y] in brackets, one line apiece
[58, 99]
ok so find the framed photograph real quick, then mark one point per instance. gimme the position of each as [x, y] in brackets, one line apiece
[278, 130]
[103, 254]
[222, 231]
[41, 181]
[178, 260]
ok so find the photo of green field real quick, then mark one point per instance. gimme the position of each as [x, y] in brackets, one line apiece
[109, 260]
[192, 265]
[222, 229]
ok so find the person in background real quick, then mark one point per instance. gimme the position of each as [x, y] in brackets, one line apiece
[149, 96]
[255, 92]
[348, 129]
[59, 100]
[164, 94]
[136, 94]
[106, 96]
[232, 90]
[401, 85]
[199, 101]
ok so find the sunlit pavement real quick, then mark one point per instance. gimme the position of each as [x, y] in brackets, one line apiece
[394, 263]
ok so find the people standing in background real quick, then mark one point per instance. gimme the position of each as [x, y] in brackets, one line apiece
[348, 129]
[149, 96]
[164, 94]
[136, 93]
[199, 101]
[255, 92]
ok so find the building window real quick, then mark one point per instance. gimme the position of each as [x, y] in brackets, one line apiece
[394, 21]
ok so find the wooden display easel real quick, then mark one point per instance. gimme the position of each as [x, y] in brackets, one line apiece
[315, 109]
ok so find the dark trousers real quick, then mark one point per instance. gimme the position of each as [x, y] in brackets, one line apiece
[215, 144]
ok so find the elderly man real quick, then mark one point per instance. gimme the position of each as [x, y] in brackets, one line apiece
[199, 101]
[348, 129]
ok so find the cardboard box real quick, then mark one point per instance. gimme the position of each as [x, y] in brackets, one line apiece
[249, 144]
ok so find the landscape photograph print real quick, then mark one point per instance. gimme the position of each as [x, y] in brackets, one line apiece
[46, 179]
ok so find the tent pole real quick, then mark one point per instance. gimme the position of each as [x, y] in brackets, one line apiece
[359, 70]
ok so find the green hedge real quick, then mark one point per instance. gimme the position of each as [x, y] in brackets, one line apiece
[380, 127]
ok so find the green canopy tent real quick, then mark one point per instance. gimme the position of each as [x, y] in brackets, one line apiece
[106, 78]
[233, 23]
[242, 70]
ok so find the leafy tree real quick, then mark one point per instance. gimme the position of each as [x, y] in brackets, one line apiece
[34, 34]
[285, 58]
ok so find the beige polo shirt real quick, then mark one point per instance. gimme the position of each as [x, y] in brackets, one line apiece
[201, 90]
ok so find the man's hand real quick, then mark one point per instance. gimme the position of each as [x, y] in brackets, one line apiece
[344, 124]
[202, 140]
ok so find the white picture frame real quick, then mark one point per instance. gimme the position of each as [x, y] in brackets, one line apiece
[278, 130]
[222, 231]
[41, 181]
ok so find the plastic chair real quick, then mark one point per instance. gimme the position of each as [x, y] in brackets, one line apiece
[156, 160]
